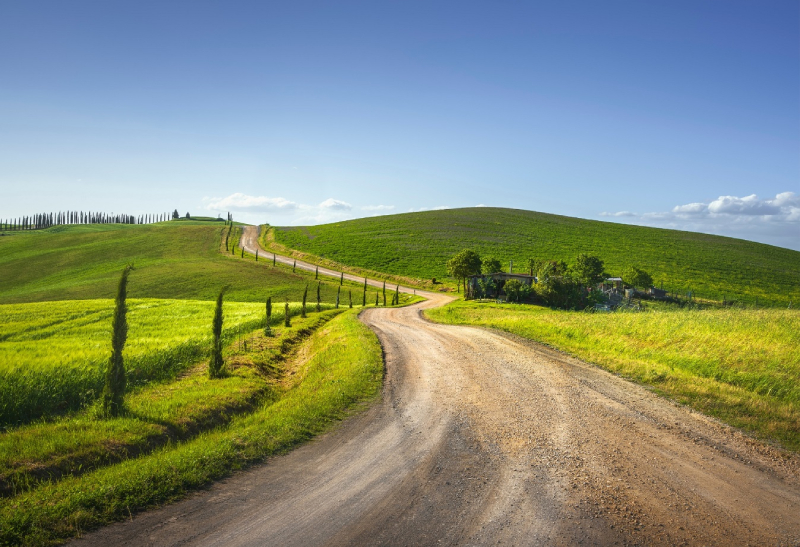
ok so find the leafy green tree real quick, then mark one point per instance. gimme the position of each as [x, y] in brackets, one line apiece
[587, 270]
[561, 292]
[635, 277]
[464, 264]
[534, 264]
[515, 290]
[114, 389]
[491, 265]
[216, 364]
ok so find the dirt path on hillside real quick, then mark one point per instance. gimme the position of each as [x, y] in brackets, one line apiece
[249, 242]
[482, 438]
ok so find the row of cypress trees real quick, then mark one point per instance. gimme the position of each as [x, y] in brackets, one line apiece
[115, 379]
[47, 220]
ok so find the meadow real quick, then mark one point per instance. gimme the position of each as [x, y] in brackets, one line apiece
[184, 259]
[280, 391]
[52, 354]
[418, 245]
[741, 366]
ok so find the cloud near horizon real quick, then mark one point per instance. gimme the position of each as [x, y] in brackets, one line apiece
[774, 220]
[252, 208]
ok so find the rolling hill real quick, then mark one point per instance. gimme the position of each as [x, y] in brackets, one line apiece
[419, 244]
[173, 260]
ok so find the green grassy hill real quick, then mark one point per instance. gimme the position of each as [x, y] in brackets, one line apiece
[419, 244]
[173, 260]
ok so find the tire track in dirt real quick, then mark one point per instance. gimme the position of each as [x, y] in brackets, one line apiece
[485, 438]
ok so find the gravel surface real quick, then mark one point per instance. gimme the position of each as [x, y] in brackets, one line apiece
[482, 438]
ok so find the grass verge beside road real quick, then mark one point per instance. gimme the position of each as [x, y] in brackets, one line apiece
[342, 369]
[741, 366]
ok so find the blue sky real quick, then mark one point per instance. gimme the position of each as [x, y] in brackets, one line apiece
[674, 114]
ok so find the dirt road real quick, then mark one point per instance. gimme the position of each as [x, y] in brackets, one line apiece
[481, 439]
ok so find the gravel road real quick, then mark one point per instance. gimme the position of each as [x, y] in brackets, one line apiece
[482, 438]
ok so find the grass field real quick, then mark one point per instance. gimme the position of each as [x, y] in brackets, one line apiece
[176, 260]
[300, 397]
[419, 244]
[741, 366]
[52, 353]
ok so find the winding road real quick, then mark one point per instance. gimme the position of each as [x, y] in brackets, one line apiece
[483, 438]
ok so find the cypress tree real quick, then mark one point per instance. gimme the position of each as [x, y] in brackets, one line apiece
[316, 273]
[287, 319]
[303, 309]
[267, 327]
[377, 299]
[364, 299]
[256, 255]
[273, 259]
[114, 389]
[242, 252]
[341, 280]
[216, 364]
[319, 300]
[396, 296]
[294, 265]
[350, 293]
[338, 290]
[384, 293]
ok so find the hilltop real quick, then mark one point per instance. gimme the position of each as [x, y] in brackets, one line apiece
[419, 244]
[176, 259]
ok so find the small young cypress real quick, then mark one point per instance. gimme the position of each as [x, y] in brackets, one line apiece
[273, 259]
[316, 273]
[256, 255]
[351, 298]
[287, 317]
[341, 280]
[377, 299]
[319, 299]
[114, 389]
[364, 299]
[242, 252]
[305, 295]
[384, 293]
[216, 364]
[268, 327]
[397, 295]
[294, 265]
[338, 290]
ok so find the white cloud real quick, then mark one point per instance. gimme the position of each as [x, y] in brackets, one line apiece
[243, 202]
[441, 208]
[773, 220]
[335, 204]
[690, 208]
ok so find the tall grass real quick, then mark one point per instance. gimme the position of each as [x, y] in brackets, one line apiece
[742, 366]
[345, 368]
[52, 354]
